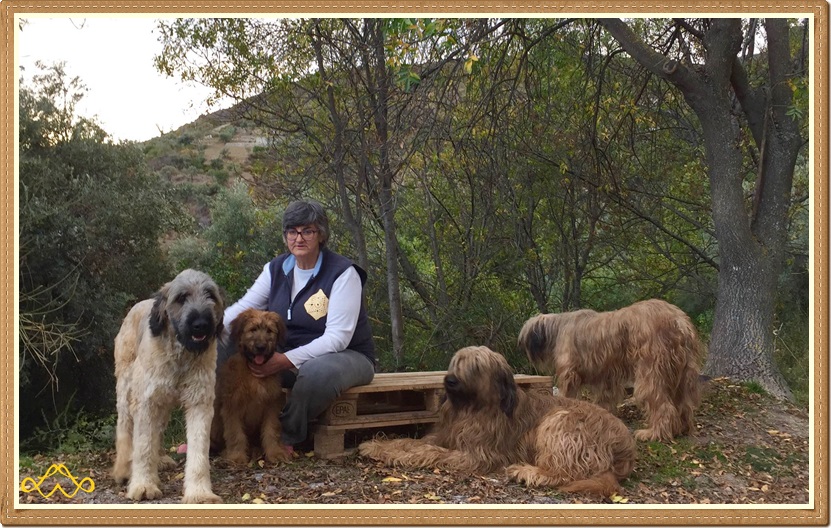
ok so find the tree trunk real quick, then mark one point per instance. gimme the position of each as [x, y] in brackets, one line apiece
[742, 342]
[338, 152]
[379, 101]
[751, 243]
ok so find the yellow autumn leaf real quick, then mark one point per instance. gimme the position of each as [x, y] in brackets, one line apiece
[392, 479]
[258, 501]
[432, 496]
[246, 497]
[617, 499]
[469, 63]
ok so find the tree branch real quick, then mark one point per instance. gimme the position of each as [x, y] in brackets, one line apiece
[670, 70]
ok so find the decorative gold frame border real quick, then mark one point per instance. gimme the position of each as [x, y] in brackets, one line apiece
[816, 514]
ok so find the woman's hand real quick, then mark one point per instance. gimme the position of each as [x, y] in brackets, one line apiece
[277, 363]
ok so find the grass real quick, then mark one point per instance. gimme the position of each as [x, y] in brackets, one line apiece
[754, 387]
[666, 463]
[761, 458]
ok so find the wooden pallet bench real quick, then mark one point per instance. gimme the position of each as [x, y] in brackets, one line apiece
[398, 398]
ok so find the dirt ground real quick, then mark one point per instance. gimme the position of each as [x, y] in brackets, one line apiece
[749, 449]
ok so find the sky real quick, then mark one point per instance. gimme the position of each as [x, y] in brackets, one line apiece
[113, 57]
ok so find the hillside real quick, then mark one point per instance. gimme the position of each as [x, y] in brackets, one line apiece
[211, 150]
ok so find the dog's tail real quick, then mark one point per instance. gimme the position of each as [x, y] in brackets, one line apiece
[604, 484]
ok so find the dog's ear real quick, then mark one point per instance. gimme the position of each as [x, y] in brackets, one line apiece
[219, 308]
[281, 327]
[158, 314]
[238, 324]
[507, 393]
[536, 341]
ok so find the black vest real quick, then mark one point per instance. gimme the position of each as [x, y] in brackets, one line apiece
[302, 326]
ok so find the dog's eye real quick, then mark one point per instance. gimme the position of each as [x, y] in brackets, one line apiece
[181, 298]
[211, 295]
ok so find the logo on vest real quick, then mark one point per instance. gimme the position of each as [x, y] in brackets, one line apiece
[318, 305]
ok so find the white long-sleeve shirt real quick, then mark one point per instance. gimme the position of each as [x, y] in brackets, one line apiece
[344, 306]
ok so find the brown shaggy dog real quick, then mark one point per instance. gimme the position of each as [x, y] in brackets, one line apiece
[165, 355]
[487, 424]
[652, 344]
[246, 417]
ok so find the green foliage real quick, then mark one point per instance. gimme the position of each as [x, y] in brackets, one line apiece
[227, 133]
[91, 216]
[71, 431]
[240, 240]
[570, 181]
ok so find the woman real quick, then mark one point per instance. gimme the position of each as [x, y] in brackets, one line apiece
[319, 294]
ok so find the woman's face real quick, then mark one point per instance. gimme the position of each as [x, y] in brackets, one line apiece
[303, 241]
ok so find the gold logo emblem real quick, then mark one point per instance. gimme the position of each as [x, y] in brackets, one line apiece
[29, 485]
[318, 305]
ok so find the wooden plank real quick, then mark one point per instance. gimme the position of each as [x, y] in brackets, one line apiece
[426, 380]
[402, 381]
[389, 381]
[380, 420]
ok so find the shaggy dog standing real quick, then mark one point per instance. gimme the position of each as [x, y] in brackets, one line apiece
[165, 354]
[247, 408]
[487, 424]
[651, 343]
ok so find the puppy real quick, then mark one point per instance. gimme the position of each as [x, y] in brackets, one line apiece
[247, 409]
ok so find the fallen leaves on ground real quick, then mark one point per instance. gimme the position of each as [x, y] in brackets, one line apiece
[749, 449]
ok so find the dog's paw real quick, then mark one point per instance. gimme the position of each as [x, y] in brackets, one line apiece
[203, 497]
[370, 448]
[278, 454]
[523, 473]
[121, 474]
[239, 458]
[139, 491]
[649, 435]
[165, 462]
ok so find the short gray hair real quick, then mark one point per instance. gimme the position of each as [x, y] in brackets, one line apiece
[307, 212]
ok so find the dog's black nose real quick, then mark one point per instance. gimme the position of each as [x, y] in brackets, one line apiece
[199, 327]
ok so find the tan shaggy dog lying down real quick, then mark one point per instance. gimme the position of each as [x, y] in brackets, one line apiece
[486, 424]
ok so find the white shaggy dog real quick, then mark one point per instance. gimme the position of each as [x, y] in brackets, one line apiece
[165, 354]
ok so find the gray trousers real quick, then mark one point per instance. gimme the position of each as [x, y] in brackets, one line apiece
[319, 382]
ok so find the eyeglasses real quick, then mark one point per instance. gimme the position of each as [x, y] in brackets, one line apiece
[292, 234]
